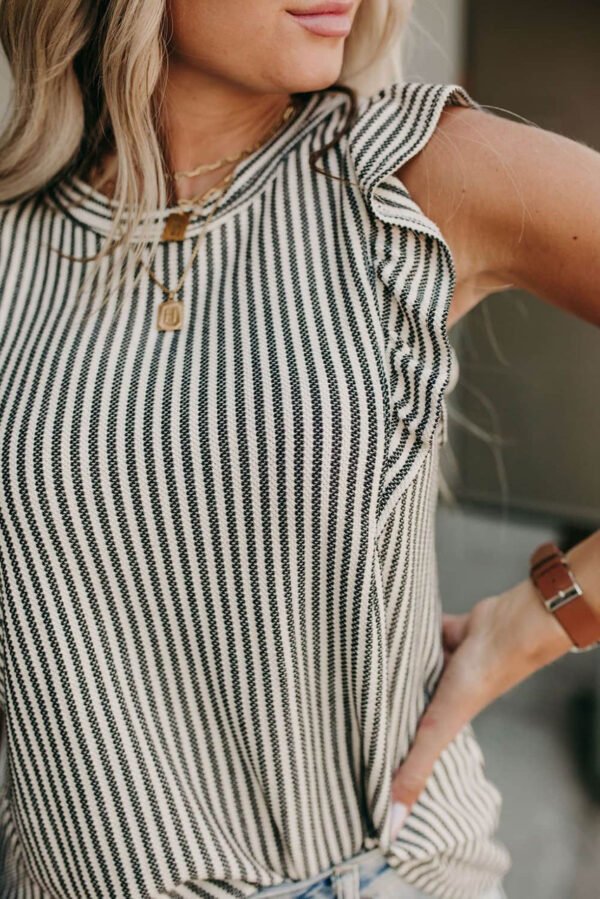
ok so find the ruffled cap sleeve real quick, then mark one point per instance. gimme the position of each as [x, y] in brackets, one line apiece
[413, 267]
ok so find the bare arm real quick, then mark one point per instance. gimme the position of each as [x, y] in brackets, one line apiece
[518, 205]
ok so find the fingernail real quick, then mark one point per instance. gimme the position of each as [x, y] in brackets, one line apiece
[397, 818]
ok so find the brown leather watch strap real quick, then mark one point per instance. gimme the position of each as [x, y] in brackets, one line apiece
[563, 596]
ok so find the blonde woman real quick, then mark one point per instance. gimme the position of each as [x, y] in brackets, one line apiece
[226, 284]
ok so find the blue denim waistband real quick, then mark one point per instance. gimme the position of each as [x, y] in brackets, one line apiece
[347, 867]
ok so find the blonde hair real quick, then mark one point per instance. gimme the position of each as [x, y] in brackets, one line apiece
[87, 74]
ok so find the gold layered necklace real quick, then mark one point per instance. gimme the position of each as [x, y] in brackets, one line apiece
[170, 311]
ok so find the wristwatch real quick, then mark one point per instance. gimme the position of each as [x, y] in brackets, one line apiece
[563, 596]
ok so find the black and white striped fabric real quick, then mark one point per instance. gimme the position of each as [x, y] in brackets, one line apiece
[220, 609]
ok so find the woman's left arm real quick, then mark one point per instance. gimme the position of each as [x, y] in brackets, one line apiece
[500, 642]
[519, 207]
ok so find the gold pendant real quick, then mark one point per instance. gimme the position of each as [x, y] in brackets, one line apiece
[176, 226]
[170, 315]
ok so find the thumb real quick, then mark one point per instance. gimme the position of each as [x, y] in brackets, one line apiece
[449, 710]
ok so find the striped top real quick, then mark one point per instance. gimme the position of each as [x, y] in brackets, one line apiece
[220, 608]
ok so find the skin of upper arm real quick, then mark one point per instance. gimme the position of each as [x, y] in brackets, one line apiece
[519, 206]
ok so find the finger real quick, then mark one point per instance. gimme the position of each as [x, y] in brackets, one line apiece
[449, 710]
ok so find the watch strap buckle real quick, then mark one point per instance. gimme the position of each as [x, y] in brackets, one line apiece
[564, 597]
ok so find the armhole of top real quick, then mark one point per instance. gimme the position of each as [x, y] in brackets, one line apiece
[413, 264]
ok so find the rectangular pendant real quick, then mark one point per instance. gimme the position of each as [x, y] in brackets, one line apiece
[170, 316]
[176, 226]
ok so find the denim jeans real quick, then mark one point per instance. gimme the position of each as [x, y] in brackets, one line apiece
[366, 875]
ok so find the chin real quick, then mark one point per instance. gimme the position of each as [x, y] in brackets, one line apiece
[314, 81]
[311, 72]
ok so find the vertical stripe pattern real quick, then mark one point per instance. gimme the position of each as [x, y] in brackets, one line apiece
[219, 602]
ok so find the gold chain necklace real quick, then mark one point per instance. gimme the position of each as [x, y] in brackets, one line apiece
[177, 222]
[219, 163]
[170, 311]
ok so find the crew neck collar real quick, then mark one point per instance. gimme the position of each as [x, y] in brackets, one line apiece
[95, 210]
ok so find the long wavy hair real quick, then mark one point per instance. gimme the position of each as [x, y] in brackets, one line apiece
[88, 75]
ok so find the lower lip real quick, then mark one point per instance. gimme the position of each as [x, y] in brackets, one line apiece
[326, 24]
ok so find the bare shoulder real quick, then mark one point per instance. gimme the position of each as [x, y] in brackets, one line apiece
[458, 176]
[494, 187]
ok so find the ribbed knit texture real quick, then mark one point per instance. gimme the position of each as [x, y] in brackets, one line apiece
[220, 607]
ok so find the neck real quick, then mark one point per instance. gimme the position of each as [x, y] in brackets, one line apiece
[204, 119]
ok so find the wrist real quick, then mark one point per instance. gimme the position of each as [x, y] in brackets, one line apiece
[554, 638]
[562, 593]
[584, 559]
[540, 636]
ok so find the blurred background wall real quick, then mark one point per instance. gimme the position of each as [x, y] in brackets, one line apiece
[434, 46]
